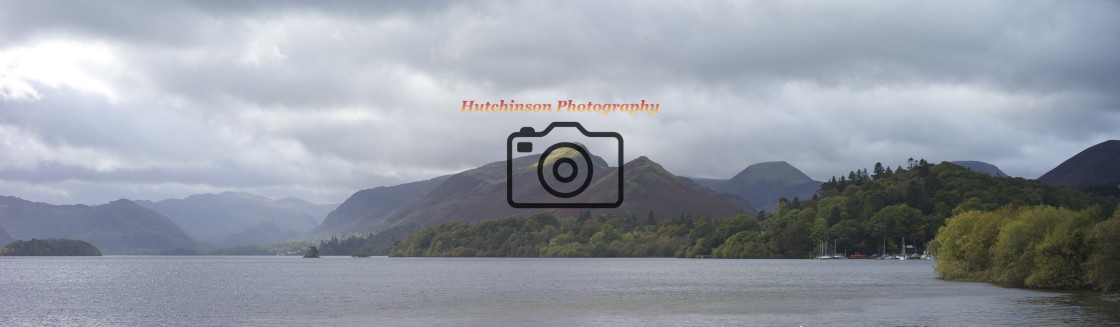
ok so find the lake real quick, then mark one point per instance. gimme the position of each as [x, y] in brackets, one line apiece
[292, 291]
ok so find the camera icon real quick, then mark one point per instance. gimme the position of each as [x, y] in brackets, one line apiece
[564, 173]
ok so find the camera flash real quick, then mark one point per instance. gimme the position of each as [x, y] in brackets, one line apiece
[524, 147]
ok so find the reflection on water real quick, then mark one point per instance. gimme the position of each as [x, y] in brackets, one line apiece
[1076, 308]
[288, 291]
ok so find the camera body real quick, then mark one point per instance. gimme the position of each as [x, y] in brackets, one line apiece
[558, 168]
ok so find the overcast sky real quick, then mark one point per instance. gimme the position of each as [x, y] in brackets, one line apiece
[101, 100]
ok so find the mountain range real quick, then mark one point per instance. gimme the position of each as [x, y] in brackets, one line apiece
[762, 184]
[120, 226]
[368, 208]
[214, 218]
[233, 218]
[480, 193]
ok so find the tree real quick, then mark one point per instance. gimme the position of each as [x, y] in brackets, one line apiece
[1103, 268]
[50, 247]
[312, 252]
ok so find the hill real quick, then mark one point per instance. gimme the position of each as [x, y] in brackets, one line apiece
[265, 232]
[120, 226]
[1099, 164]
[50, 247]
[215, 217]
[866, 213]
[318, 212]
[981, 167]
[763, 184]
[369, 208]
[4, 237]
[480, 194]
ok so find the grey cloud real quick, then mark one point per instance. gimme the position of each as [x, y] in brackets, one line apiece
[322, 99]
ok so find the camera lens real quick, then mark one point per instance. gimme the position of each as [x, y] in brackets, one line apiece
[561, 163]
[574, 170]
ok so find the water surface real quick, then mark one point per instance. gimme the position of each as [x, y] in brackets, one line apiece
[291, 291]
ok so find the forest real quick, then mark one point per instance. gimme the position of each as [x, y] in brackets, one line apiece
[50, 247]
[861, 213]
[1032, 246]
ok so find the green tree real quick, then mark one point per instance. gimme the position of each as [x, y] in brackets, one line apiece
[1103, 267]
[312, 252]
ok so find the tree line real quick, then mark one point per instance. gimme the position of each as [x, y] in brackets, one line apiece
[863, 212]
[50, 247]
[1032, 246]
[544, 235]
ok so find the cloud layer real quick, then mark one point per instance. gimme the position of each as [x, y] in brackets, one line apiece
[148, 100]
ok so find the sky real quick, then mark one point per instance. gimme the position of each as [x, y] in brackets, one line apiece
[101, 100]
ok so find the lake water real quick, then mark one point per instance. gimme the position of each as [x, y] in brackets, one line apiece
[291, 291]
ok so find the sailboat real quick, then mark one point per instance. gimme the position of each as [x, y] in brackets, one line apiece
[902, 247]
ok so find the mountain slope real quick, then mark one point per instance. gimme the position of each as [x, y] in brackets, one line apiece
[4, 237]
[120, 226]
[480, 194]
[1098, 164]
[650, 187]
[368, 208]
[762, 184]
[318, 212]
[264, 232]
[981, 167]
[214, 217]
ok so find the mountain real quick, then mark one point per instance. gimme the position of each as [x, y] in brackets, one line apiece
[762, 184]
[264, 232]
[214, 217]
[120, 226]
[370, 207]
[1099, 164]
[981, 167]
[650, 187]
[480, 194]
[4, 237]
[317, 211]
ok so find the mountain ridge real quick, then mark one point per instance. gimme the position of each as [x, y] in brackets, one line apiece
[120, 226]
[480, 194]
[763, 184]
[210, 217]
[1098, 164]
[981, 167]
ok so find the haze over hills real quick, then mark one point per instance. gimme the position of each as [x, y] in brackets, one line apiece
[264, 232]
[318, 212]
[981, 167]
[1098, 164]
[4, 237]
[215, 217]
[120, 226]
[762, 184]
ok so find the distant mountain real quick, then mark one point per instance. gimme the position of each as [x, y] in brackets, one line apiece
[1099, 164]
[265, 232]
[4, 237]
[706, 185]
[762, 184]
[369, 208]
[120, 226]
[651, 187]
[480, 194]
[317, 211]
[981, 167]
[215, 217]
